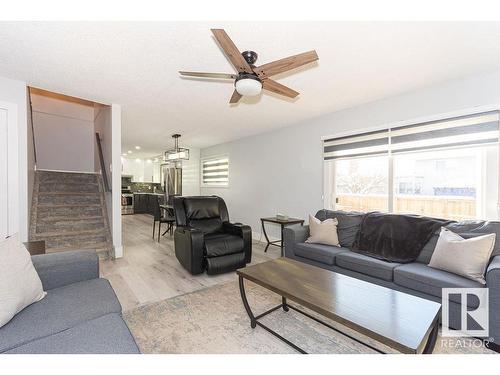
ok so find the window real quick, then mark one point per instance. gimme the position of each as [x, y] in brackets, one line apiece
[215, 172]
[446, 169]
[360, 184]
[449, 182]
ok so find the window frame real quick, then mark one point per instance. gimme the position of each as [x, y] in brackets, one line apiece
[213, 158]
[327, 170]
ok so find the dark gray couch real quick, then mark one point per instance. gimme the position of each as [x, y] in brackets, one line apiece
[414, 278]
[79, 314]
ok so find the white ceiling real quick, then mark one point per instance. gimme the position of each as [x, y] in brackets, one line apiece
[135, 64]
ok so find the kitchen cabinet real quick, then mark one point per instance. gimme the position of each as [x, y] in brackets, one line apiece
[143, 202]
[142, 170]
[157, 171]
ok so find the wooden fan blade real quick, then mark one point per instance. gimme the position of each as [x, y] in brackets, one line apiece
[208, 75]
[231, 51]
[288, 63]
[278, 88]
[235, 98]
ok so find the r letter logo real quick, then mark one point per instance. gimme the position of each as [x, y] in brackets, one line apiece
[473, 321]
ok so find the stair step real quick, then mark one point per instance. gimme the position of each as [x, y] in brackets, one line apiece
[45, 176]
[49, 219]
[77, 187]
[69, 212]
[68, 199]
[69, 193]
[82, 239]
[69, 225]
[65, 233]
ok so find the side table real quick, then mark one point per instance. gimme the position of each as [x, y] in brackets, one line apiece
[283, 224]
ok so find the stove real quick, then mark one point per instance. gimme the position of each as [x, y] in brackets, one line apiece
[127, 202]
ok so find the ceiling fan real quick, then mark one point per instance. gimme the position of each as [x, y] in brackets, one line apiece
[251, 79]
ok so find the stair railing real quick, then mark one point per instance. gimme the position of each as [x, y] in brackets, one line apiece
[103, 165]
[32, 126]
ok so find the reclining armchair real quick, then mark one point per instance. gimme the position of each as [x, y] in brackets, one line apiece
[205, 239]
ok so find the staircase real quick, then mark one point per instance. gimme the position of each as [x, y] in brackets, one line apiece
[69, 212]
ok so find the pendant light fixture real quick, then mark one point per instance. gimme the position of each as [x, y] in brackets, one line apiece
[177, 153]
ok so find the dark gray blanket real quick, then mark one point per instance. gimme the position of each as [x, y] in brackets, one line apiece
[395, 238]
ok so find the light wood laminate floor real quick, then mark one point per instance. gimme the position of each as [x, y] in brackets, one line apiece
[149, 271]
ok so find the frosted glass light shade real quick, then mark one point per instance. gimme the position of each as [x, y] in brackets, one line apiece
[248, 87]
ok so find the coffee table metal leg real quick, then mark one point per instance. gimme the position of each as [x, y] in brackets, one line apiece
[284, 304]
[253, 321]
[265, 235]
[431, 341]
[281, 247]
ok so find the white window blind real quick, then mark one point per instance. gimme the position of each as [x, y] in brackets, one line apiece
[470, 130]
[215, 171]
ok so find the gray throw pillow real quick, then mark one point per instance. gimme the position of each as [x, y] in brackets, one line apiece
[466, 229]
[348, 227]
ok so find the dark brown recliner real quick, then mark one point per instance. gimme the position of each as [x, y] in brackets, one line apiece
[206, 240]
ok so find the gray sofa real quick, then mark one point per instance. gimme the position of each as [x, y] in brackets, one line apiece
[79, 314]
[415, 278]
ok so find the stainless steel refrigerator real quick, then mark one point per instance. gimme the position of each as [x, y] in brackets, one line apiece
[171, 177]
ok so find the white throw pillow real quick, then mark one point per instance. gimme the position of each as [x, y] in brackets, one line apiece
[464, 257]
[20, 285]
[323, 232]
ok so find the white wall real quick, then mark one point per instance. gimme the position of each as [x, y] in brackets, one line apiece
[14, 92]
[191, 173]
[282, 171]
[116, 178]
[64, 134]
[4, 171]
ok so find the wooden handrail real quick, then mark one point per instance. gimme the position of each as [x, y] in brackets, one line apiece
[103, 165]
[32, 126]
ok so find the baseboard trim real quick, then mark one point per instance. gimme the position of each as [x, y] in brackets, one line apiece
[117, 252]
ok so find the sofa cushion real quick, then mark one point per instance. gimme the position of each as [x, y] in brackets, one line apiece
[20, 285]
[199, 208]
[211, 225]
[323, 232]
[319, 253]
[465, 257]
[422, 278]
[476, 228]
[465, 229]
[348, 226]
[226, 263]
[428, 249]
[107, 334]
[218, 245]
[62, 308]
[366, 265]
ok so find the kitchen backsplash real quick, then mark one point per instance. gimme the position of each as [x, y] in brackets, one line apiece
[145, 187]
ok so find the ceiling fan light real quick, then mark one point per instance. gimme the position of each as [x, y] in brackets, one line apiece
[248, 86]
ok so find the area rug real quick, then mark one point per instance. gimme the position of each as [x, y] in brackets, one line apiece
[214, 321]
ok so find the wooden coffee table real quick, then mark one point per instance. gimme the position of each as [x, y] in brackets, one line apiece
[398, 320]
